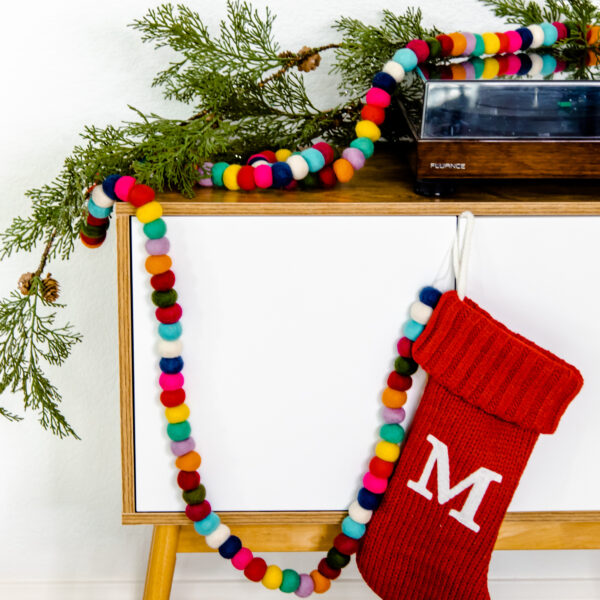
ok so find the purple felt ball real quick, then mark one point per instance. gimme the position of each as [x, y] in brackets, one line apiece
[206, 180]
[183, 447]
[393, 415]
[158, 246]
[355, 157]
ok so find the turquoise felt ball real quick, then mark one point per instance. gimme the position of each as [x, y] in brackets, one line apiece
[314, 159]
[550, 34]
[170, 331]
[208, 524]
[365, 145]
[353, 529]
[407, 58]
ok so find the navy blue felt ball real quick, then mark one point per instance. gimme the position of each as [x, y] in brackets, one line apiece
[430, 296]
[108, 186]
[282, 174]
[368, 500]
[171, 365]
[384, 81]
[526, 36]
[230, 547]
[526, 64]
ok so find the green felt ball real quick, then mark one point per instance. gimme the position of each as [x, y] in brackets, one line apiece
[155, 229]
[179, 431]
[290, 582]
[94, 231]
[405, 366]
[310, 181]
[165, 298]
[392, 432]
[479, 66]
[434, 47]
[195, 496]
[337, 560]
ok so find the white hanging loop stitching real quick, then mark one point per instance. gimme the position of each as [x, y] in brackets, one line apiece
[461, 251]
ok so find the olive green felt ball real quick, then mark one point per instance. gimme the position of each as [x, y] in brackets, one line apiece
[196, 496]
[164, 299]
[93, 231]
[405, 366]
[337, 560]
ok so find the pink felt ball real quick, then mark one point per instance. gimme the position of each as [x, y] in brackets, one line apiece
[123, 187]
[514, 64]
[377, 485]
[170, 381]
[378, 97]
[514, 42]
[263, 176]
[420, 48]
[242, 559]
[355, 157]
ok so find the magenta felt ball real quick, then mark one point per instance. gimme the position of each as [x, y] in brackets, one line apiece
[355, 157]
[242, 559]
[263, 176]
[377, 485]
[514, 42]
[123, 187]
[378, 97]
[513, 64]
[420, 48]
[170, 381]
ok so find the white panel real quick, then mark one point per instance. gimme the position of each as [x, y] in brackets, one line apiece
[540, 277]
[290, 326]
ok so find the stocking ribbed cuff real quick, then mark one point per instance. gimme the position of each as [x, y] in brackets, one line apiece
[501, 372]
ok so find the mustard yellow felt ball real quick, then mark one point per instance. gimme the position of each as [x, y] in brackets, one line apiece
[387, 451]
[149, 212]
[283, 154]
[491, 68]
[273, 577]
[491, 43]
[230, 177]
[177, 414]
[368, 129]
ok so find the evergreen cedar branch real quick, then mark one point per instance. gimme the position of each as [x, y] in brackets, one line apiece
[237, 105]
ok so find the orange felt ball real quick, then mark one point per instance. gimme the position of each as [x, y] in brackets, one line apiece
[460, 43]
[592, 58]
[322, 584]
[593, 35]
[343, 170]
[158, 264]
[188, 462]
[458, 72]
[393, 398]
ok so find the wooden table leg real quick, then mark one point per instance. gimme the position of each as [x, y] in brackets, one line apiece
[161, 562]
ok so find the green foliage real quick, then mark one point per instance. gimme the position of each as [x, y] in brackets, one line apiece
[28, 337]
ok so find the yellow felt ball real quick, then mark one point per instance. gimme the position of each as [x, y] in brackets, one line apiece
[367, 129]
[230, 177]
[343, 170]
[387, 451]
[177, 414]
[491, 68]
[273, 577]
[283, 154]
[491, 43]
[149, 212]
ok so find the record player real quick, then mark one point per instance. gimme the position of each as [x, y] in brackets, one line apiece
[510, 117]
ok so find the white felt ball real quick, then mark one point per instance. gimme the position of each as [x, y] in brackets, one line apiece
[100, 198]
[538, 36]
[420, 312]
[537, 64]
[394, 69]
[218, 537]
[359, 514]
[298, 166]
[168, 349]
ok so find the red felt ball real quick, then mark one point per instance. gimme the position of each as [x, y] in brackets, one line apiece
[245, 178]
[291, 186]
[328, 571]
[504, 42]
[446, 73]
[269, 155]
[381, 468]
[188, 480]
[170, 314]
[172, 398]
[163, 281]
[420, 48]
[326, 150]
[95, 222]
[563, 32]
[503, 65]
[327, 177]
[197, 512]
[399, 382]
[376, 114]
[345, 545]
[447, 44]
[93, 242]
[405, 347]
[140, 194]
[256, 569]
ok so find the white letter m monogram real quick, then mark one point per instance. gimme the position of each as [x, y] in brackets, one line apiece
[478, 481]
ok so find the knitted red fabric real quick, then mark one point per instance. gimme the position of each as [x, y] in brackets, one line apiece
[489, 395]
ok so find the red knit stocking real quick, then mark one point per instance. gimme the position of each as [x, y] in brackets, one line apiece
[490, 394]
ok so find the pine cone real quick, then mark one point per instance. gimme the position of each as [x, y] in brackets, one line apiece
[310, 61]
[50, 289]
[25, 283]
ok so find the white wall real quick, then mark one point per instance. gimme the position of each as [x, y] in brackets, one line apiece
[65, 64]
